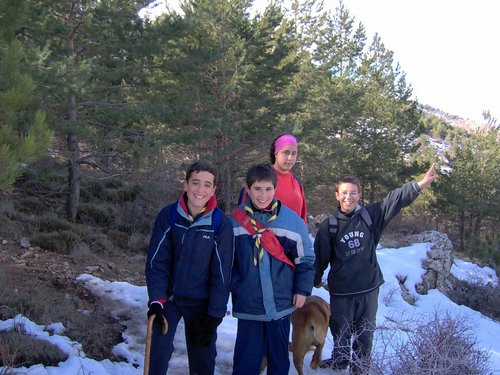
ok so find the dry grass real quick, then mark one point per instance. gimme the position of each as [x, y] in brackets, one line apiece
[20, 349]
[46, 301]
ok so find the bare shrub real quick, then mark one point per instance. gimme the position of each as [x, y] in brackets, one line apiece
[19, 349]
[6, 359]
[7, 208]
[8, 227]
[388, 297]
[95, 214]
[482, 298]
[59, 242]
[118, 238]
[440, 345]
[135, 216]
[138, 243]
[52, 223]
[31, 205]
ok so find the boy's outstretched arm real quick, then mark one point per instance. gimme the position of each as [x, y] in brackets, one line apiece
[429, 177]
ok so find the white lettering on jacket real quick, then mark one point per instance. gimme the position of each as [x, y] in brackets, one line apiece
[350, 235]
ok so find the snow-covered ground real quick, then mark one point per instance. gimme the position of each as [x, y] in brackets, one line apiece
[129, 303]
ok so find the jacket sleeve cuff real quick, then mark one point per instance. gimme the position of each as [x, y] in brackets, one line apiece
[161, 302]
[415, 186]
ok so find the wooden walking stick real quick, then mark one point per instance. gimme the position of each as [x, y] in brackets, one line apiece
[149, 334]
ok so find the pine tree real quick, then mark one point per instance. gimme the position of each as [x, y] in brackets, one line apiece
[24, 135]
[223, 76]
[87, 53]
[470, 189]
[330, 102]
[389, 124]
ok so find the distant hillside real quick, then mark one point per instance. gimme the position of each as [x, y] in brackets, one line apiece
[454, 120]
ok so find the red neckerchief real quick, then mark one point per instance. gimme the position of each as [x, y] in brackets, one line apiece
[267, 237]
[211, 205]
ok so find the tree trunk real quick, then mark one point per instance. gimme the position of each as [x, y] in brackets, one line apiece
[73, 154]
[372, 191]
[228, 183]
[226, 173]
[477, 224]
[461, 230]
[73, 169]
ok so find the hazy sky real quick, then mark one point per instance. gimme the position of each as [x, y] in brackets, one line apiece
[449, 49]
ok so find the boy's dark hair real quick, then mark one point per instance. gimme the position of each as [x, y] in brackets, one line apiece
[261, 172]
[201, 166]
[348, 179]
[272, 155]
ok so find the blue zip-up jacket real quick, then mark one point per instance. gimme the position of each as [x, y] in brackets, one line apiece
[187, 263]
[265, 292]
[354, 268]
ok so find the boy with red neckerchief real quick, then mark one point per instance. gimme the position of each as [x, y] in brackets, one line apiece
[188, 272]
[271, 276]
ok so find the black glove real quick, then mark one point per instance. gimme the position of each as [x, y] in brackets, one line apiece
[156, 308]
[200, 331]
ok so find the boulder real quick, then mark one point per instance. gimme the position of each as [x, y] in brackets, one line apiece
[438, 262]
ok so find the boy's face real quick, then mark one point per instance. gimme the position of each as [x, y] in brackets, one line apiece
[348, 196]
[286, 158]
[199, 188]
[261, 194]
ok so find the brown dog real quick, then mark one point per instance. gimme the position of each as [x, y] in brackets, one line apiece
[310, 326]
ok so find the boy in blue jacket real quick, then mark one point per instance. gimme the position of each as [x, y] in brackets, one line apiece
[188, 272]
[272, 274]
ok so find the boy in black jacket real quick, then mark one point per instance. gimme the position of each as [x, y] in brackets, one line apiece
[188, 272]
[347, 242]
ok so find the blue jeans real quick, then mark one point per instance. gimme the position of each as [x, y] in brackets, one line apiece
[256, 339]
[201, 359]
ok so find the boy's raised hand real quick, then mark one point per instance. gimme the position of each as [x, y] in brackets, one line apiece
[429, 177]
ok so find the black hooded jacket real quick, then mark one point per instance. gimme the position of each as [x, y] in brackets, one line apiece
[352, 257]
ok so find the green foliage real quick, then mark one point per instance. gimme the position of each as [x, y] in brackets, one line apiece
[24, 136]
[486, 248]
[51, 223]
[470, 188]
[222, 81]
[31, 204]
[94, 214]
[130, 97]
[357, 115]
[109, 190]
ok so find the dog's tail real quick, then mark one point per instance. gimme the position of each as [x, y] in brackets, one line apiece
[314, 335]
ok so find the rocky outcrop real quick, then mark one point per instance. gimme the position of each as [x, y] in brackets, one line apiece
[437, 265]
[438, 262]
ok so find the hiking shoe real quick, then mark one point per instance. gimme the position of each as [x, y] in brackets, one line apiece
[326, 363]
[330, 363]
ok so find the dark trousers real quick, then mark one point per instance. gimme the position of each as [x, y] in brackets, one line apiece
[352, 323]
[256, 339]
[201, 359]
